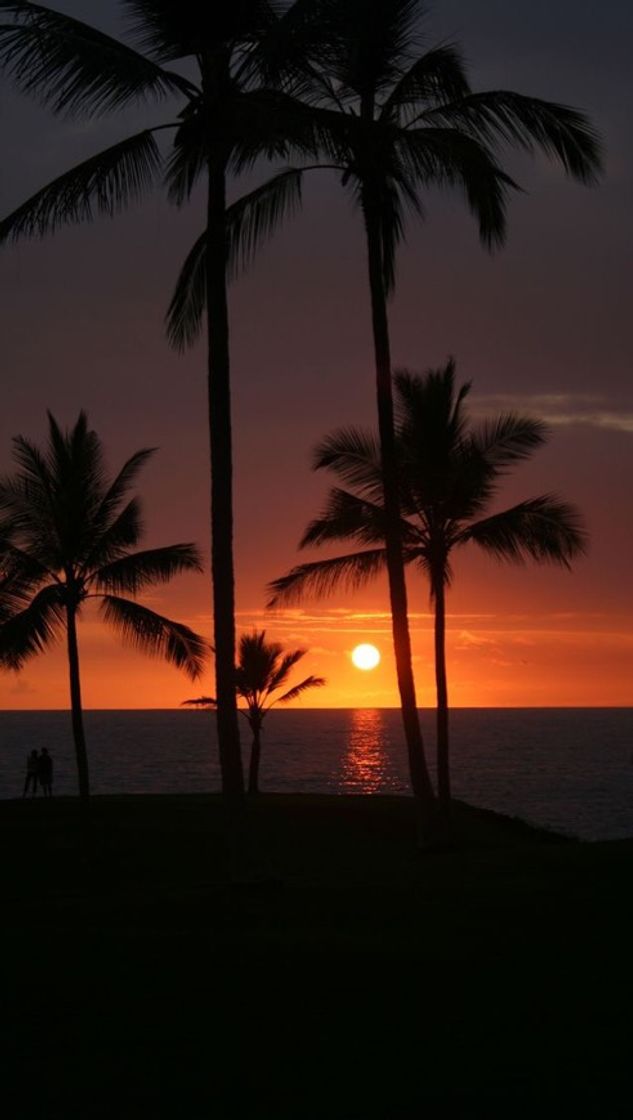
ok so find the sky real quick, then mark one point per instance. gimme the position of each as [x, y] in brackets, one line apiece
[542, 326]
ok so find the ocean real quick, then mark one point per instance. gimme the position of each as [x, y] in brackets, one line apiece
[569, 769]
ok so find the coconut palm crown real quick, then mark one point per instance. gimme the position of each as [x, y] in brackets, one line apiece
[449, 473]
[67, 532]
[263, 668]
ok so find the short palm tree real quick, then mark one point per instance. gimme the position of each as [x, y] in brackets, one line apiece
[449, 473]
[66, 535]
[231, 108]
[263, 668]
[398, 120]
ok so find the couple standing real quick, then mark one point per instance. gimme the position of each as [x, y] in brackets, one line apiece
[39, 771]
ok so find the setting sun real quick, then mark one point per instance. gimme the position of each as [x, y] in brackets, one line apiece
[365, 656]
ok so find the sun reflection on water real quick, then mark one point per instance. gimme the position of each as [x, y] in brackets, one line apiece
[365, 763]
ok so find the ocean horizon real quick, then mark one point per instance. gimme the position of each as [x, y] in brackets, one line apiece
[568, 769]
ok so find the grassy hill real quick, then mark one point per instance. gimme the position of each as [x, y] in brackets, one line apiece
[318, 964]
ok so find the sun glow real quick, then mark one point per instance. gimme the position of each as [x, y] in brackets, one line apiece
[365, 656]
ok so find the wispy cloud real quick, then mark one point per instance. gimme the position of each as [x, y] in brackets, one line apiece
[467, 640]
[22, 687]
[294, 623]
[561, 409]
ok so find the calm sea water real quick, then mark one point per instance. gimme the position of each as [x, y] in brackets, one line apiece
[566, 768]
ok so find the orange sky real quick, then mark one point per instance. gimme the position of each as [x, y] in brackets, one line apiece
[509, 659]
[541, 327]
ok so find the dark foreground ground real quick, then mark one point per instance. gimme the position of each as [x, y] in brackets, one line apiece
[324, 968]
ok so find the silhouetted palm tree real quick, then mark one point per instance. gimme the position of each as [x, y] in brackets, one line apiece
[263, 668]
[449, 473]
[233, 110]
[416, 122]
[398, 121]
[66, 532]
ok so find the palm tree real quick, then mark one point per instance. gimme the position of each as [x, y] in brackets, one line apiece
[449, 472]
[263, 668]
[398, 121]
[66, 535]
[232, 109]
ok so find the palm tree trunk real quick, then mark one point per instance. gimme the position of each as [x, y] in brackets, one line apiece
[253, 773]
[443, 768]
[420, 780]
[75, 707]
[222, 570]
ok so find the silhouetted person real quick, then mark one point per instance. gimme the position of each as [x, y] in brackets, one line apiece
[45, 772]
[32, 774]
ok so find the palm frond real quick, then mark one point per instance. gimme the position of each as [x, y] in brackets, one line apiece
[255, 217]
[249, 222]
[137, 570]
[115, 529]
[171, 31]
[448, 158]
[431, 399]
[119, 488]
[429, 415]
[274, 124]
[19, 565]
[156, 635]
[31, 630]
[115, 539]
[529, 123]
[284, 664]
[347, 517]
[370, 46]
[34, 470]
[75, 461]
[303, 686]
[73, 68]
[392, 224]
[257, 663]
[262, 668]
[103, 184]
[20, 576]
[61, 502]
[199, 702]
[294, 53]
[541, 529]
[437, 77]
[28, 502]
[324, 577]
[184, 318]
[508, 439]
[354, 456]
[13, 595]
[431, 427]
[189, 157]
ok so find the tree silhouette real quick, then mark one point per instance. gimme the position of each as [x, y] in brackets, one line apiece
[394, 122]
[449, 472]
[233, 110]
[263, 668]
[66, 534]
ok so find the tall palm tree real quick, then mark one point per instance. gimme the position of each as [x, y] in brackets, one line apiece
[231, 110]
[398, 120]
[449, 473]
[66, 535]
[263, 668]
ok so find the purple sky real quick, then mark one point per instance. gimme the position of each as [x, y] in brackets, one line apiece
[544, 325]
